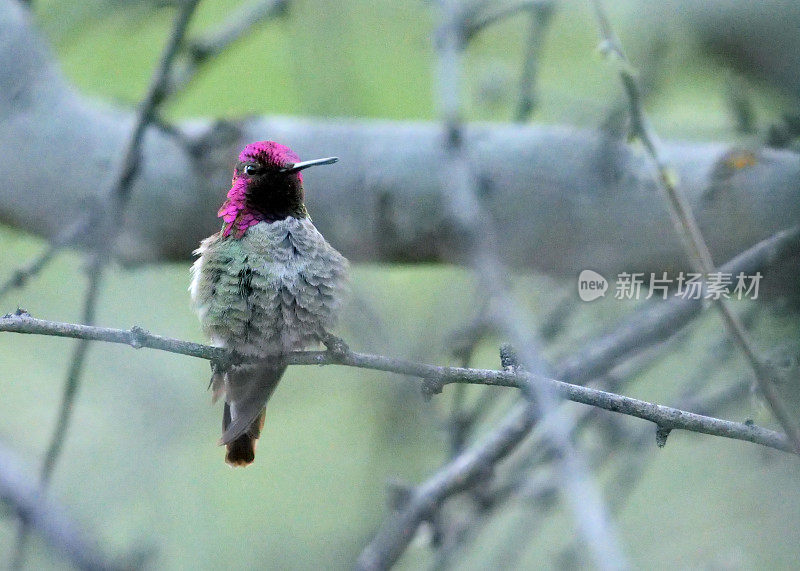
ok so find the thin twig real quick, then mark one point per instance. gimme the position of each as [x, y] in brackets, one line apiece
[538, 20]
[434, 377]
[29, 502]
[136, 337]
[146, 110]
[459, 187]
[239, 23]
[687, 227]
[67, 401]
[21, 276]
[476, 20]
[105, 226]
[73, 377]
[464, 342]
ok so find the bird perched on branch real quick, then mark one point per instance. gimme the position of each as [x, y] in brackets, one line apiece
[267, 283]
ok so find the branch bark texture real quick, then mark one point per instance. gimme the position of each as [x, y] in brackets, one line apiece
[434, 377]
[567, 198]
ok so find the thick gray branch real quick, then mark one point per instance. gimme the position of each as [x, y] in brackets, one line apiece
[567, 199]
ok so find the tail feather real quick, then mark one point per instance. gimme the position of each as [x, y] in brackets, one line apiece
[247, 390]
[242, 450]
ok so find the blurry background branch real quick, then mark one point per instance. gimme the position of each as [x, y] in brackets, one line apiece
[538, 19]
[48, 518]
[569, 198]
[633, 339]
[21, 276]
[686, 226]
[565, 199]
[180, 63]
[101, 229]
[479, 231]
[202, 49]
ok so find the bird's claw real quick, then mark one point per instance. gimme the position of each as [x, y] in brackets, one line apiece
[335, 345]
[221, 366]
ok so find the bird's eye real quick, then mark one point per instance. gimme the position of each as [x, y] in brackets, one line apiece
[250, 170]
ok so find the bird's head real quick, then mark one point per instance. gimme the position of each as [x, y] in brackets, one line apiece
[267, 186]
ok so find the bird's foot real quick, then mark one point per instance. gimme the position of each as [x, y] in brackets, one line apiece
[335, 345]
[222, 365]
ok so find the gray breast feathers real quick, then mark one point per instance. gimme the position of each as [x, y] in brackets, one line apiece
[279, 289]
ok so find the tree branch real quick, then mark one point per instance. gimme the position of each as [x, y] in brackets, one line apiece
[238, 24]
[102, 229]
[435, 377]
[641, 330]
[688, 229]
[476, 229]
[569, 198]
[50, 519]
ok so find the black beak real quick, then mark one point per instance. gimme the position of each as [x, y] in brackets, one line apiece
[305, 164]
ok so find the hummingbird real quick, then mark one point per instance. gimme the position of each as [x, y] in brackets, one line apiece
[267, 283]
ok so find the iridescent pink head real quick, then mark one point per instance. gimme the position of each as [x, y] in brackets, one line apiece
[267, 186]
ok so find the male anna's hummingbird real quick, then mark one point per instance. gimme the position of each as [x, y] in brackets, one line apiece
[265, 284]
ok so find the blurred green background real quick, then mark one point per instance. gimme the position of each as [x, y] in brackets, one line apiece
[141, 465]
